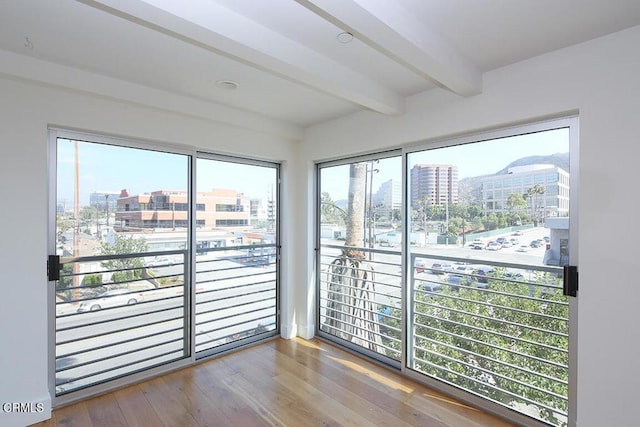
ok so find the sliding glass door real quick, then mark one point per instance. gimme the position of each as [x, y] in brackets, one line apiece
[359, 262]
[237, 256]
[121, 238]
[456, 273]
[158, 257]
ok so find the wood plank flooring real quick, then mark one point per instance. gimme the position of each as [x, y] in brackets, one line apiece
[278, 383]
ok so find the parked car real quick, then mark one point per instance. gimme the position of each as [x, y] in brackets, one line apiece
[429, 286]
[517, 233]
[112, 298]
[494, 246]
[483, 272]
[419, 265]
[441, 268]
[535, 243]
[476, 244]
[522, 248]
[456, 280]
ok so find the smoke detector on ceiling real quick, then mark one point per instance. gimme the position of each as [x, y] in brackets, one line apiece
[228, 84]
[345, 37]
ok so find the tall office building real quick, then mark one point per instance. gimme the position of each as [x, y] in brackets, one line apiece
[437, 183]
[554, 181]
[388, 198]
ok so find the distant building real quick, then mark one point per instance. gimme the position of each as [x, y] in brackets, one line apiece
[219, 208]
[437, 184]
[554, 180]
[101, 199]
[388, 198]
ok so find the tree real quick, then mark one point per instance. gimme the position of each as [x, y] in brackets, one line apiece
[63, 224]
[129, 268]
[351, 307]
[508, 343]
[330, 213]
[532, 194]
[515, 202]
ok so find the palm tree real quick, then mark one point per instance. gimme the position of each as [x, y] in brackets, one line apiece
[531, 194]
[351, 306]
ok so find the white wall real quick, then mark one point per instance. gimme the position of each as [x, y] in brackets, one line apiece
[601, 80]
[26, 110]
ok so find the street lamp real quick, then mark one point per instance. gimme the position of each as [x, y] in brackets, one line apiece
[106, 205]
[371, 171]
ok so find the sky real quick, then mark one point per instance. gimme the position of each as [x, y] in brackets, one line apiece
[474, 159]
[111, 168]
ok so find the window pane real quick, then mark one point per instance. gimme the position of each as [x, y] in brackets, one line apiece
[120, 307]
[236, 261]
[360, 262]
[486, 311]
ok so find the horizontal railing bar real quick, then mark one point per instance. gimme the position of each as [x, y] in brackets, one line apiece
[382, 273]
[237, 248]
[113, 344]
[117, 331]
[326, 289]
[549, 347]
[326, 307]
[539, 404]
[489, 304]
[488, 358]
[107, 309]
[137, 361]
[129, 316]
[93, 258]
[494, 346]
[102, 359]
[506, 294]
[503, 279]
[205, 342]
[200, 313]
[218, 319]
[362, 249]
[240, 267]
[244, 276]
[482, 316]
[239, 287]
[369, 261]
[466, 261]
[513, 380]
[326, 327]
[238, 295]
[208, 331]
[375, 273]
[341, 321]
[350, 297]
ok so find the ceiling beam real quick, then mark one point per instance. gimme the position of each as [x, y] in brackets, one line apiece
[387, 27]
[212, 27]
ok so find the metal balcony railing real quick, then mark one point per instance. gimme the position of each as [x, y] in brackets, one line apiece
[117, 315]
[497, 330]
[357, 300]
[236, 295]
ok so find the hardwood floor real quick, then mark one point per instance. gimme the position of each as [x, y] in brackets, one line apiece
[278, 383]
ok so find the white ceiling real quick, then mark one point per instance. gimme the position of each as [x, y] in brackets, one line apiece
[285, 55]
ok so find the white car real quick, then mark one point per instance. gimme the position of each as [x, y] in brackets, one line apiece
[112, 298]
[494, 246]
[523, 248]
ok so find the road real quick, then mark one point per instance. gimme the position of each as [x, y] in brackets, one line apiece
[232, 298]
[387, 265]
